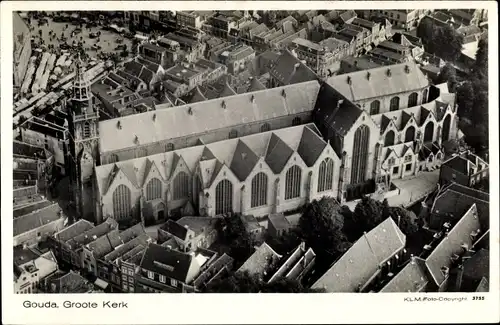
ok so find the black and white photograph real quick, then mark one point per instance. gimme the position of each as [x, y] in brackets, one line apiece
[251, 151]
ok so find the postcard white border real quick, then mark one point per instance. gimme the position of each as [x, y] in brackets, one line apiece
[245, 308]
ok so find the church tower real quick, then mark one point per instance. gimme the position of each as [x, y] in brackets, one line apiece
[83, 118]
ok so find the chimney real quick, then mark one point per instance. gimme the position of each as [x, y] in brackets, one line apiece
[368, 75]
[389, 73]
[407, 69]
[190, 111]
[349, 80]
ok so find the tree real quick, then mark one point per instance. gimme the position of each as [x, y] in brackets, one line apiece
[232, 233]
[481, 66]
[465, 99]
[369, 213]
[448, 74]
[406, 220]
[239, 282]
[441, 40]
[321, 225]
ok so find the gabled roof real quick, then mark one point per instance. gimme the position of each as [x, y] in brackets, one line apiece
[243, 161]
[170, 263]
[451, 244]
[311, 146]
[289, 70]
[70, 282]
[278, 153]
[412, 278]
[262, 260]
[403, 77]
[197, 96]
[276, 146]
[478, 266]
[37, 219]
[455, 200]
[73, 230]
[459, 164]
[175, 229]
[338, 112]
[353, 270]
[206, 116]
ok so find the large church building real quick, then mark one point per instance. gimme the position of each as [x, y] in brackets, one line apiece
[271, 150]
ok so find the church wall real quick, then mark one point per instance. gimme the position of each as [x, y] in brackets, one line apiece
[261, 166]
[107, 199]
[385, 101]
[285, 205]
[224, 173]
[208, 137]
[349, 143]
[330, 153]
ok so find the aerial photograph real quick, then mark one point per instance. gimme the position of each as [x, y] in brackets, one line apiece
[251, 151]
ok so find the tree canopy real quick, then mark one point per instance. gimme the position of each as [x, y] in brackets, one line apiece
[472, 100]
[369, 213]
[441, 40]
[321, 225]
[448, 74]
[232, 233]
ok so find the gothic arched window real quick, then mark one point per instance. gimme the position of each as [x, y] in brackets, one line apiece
[259, 190]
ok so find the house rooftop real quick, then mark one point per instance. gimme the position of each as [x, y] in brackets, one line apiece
[353, 271]
[261, 261]
[167, 262]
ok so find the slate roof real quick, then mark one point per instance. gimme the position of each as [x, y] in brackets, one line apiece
[36, 219]
[197, 224]
[93, 233]
[339, 120]
[311, 146]
[170, 263]
[278, 153]
[478, 266]
[452, 244]
[175, 229]
[261, 261]
[284, 69]
[412, 278]
[70, 282]
[352, 271]
[359, 87]
[73, 230]
[459, 164]
[243, 162]
[176, 122]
